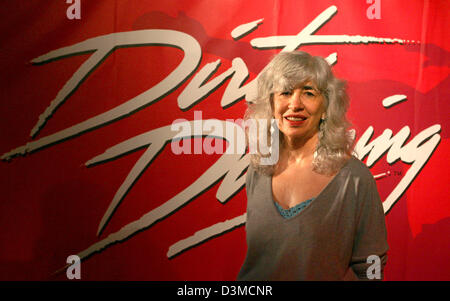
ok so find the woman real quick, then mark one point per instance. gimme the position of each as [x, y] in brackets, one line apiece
[316, 214]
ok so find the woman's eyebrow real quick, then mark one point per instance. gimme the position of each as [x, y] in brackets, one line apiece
[309, 88]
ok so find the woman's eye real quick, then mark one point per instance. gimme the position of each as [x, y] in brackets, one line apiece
[309, 94]
[285, 93]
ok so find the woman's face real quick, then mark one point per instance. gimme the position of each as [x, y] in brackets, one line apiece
[299, 111]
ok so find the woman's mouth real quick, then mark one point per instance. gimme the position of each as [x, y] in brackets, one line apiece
[295, 120]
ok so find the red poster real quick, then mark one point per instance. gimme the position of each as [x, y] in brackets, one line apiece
[90, 90]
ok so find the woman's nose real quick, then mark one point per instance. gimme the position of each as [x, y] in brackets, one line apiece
[295, 101]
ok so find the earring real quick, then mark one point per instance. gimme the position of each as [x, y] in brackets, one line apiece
[322, 126]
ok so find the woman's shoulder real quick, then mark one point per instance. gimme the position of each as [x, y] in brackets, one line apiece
[357, 168]
[256, 182]
[251, 176]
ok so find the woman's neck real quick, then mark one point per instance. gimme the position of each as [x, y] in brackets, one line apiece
[297, 150]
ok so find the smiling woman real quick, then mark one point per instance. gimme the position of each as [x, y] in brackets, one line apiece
[293, 74]
[316, 213]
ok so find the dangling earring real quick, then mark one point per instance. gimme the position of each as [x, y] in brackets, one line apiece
[322, 125]
[321, 134]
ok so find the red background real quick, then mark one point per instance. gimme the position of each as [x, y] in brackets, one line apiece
[51, 203]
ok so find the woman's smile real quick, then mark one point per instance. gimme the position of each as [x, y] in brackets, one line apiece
[295, 119]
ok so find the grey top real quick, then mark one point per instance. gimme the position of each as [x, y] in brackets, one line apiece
[330, 239]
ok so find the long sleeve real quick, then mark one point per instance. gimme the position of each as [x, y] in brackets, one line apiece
[370, 247]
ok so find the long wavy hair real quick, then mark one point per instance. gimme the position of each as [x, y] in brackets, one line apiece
[286, 71]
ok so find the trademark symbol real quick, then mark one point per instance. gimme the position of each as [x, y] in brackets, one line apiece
[397, 173]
